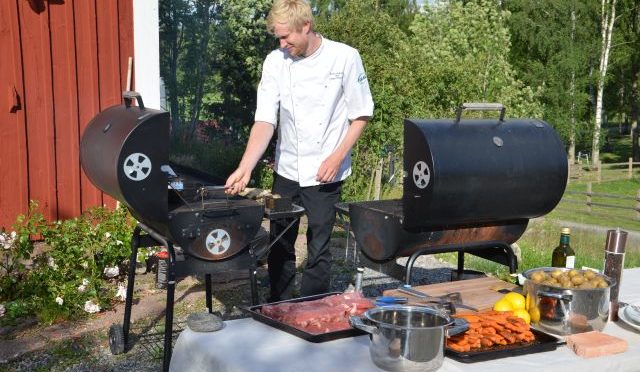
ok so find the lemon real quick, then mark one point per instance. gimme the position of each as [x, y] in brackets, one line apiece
[522, 314]
[534, 314]
[528, 303]
[502, 305]
[516, 300]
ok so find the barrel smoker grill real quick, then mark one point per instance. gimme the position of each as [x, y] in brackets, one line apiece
[469, 186]
[124, 152]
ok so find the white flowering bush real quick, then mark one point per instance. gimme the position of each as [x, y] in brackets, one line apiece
[76, 275]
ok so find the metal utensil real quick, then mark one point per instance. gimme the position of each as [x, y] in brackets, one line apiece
[454, 298]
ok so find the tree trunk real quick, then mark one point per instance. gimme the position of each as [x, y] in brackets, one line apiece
[634, 110]
[572, 93]
[606, 28]
[635, 74]
[172, 79]
[196, 103]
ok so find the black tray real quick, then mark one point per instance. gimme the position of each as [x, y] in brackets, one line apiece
[311, 337]
[543, 342]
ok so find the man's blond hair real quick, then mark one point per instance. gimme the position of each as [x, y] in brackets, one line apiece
[295, 13]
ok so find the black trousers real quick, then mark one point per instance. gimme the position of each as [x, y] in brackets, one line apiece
[318, 202]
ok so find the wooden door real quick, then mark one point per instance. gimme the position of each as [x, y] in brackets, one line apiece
[64, 61]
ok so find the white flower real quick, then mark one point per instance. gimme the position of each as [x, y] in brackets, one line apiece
[85, 281]
[82, 288]
[7, 240]
[107, 235]
[111, 272]
[59, 300]
[52, 263]
[122, 292]
[119, 242]
[91, 307]
[2, 310]
[84, 264]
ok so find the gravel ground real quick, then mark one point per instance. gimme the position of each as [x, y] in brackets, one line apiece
[90, 352]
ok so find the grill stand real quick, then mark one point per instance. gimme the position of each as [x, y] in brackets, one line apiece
[495, 251]
[119, 334]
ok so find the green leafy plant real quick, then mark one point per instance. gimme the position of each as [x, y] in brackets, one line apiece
[76, 271]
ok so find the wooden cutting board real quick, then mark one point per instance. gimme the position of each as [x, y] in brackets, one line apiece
[480, 293]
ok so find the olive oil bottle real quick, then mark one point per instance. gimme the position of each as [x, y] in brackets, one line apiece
[563, 255]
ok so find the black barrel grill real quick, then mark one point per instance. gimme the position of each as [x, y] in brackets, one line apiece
[125, 153]
[469, 186]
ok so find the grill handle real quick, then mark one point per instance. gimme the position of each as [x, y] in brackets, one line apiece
[480, 106]
[129, 95]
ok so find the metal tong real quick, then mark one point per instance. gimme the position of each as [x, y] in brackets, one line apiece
[454, 297]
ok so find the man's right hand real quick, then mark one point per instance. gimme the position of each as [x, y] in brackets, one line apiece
[237, 181]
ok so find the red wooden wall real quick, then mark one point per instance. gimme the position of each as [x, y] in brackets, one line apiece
[62, 62]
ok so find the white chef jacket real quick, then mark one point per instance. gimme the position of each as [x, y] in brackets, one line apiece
[317, 96]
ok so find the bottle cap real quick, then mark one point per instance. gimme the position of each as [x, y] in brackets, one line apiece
[566, 231]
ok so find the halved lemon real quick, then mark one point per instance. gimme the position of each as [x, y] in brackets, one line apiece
[502, 305]
[522, 314]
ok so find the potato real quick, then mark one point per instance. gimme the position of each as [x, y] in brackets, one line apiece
[573, 272]
[577, 279]
[589, 274]
[556, 273]
[538, 276]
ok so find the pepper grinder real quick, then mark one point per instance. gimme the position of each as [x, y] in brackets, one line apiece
[613, 266]
[359, 274]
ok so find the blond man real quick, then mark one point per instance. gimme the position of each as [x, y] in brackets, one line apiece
[315, 93]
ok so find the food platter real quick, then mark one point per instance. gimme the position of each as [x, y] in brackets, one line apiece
[543, 342]
[256, 314]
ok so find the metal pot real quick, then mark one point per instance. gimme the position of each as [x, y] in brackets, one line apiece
[566, 311]
[408, 338]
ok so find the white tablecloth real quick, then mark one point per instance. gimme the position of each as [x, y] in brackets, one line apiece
[248, 345]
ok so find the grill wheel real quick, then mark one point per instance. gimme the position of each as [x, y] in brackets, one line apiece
[116, 339]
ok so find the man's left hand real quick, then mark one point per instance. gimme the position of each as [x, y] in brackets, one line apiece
[329, 169]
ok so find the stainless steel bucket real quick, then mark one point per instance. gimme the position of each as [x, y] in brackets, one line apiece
[408, 338]
[565, 311]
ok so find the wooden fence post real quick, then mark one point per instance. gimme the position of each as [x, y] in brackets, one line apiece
[638, 205]
[589, 197]
[630, 175]
[599, 165]
[377, 182]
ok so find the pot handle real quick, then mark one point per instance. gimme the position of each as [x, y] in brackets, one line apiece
[459, 325]
[559, 296]
[357, 322]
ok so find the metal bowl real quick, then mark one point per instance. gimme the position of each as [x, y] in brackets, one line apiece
[565, 311]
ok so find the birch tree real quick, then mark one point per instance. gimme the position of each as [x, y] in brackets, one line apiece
[608, 14]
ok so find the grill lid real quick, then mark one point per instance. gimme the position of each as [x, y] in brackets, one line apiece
[459, 172]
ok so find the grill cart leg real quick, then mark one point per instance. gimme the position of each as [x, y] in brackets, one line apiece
[253, 283]
[495, 251]
[207, 291]
[168, 322]
[131, 275]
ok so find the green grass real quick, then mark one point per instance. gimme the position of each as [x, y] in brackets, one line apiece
[569, 210]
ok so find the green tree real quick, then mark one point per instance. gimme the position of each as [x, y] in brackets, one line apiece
[552, 44]
[377, 36]
[459, 54]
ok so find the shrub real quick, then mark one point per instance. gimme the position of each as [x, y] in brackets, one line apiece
[67, 280]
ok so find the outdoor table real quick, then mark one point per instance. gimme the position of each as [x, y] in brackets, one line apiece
[248, 345]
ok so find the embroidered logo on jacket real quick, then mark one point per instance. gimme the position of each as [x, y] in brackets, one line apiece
[362, 78]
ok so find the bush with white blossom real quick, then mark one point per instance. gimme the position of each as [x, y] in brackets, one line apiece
[77, 274]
